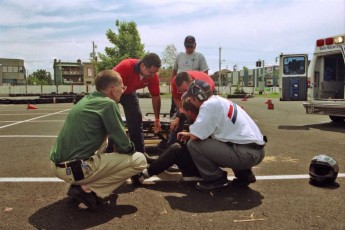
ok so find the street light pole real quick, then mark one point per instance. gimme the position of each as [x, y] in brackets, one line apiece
[220, 67]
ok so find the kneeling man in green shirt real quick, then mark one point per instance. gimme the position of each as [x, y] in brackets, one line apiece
[75, 157]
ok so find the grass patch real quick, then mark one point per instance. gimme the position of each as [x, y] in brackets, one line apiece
[269, 95]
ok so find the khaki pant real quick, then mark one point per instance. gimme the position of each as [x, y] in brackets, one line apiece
[106, 171]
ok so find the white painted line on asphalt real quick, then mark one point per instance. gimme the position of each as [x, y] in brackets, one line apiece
[25, 136]
[155, 178]
[48, 121]
[19, 122]
[30, 179]
[21, 114]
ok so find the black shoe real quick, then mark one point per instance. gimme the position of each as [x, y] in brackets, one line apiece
[158, 149]
[243, 178]
[110, 200]
[72, 186]
[90, 200]
[138, 179]
[213, 186]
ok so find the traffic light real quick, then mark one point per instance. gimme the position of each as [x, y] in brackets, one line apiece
[258, 64]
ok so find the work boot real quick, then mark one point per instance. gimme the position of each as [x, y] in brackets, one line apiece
[90, 200]
[243, 178]
[215, 185]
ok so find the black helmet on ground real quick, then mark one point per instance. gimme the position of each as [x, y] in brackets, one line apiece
[323, 170]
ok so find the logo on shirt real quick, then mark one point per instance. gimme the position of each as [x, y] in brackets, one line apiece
[232, 113]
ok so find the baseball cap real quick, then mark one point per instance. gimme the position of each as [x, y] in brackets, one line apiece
[189, 41]
[195, 87]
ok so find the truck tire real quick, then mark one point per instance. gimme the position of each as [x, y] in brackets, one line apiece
[337, 119]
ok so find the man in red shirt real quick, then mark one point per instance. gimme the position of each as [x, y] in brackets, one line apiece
[181, 82]
[138, 74]
[179, 85]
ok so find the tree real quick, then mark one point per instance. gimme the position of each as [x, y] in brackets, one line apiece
[40, 77]
[127, 44]
[165, 75]
[169, 56]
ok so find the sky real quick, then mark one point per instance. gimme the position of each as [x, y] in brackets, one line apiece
[227, 32]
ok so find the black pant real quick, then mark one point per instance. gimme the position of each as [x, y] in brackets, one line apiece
[176, 154]
[173, 108]
[134, 121]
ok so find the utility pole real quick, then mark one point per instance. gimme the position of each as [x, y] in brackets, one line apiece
[261, 64]
[263, 70]
[26, 81]
[94, 59]
[220, 67]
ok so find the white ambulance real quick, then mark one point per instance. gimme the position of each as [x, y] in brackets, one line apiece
[326, 78]
[326, 73]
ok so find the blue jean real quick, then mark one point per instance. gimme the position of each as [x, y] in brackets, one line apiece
[173, 133]
[134, 121]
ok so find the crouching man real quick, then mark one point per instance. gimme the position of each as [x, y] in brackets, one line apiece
[222, 136]
[74, 157]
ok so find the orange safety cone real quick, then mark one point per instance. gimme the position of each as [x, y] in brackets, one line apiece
[31, 107]
[268, 101]
[270, 106]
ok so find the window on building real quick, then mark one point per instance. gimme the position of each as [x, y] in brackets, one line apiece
[89, 72]
[10, 69]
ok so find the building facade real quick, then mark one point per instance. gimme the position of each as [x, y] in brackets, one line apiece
[73, 73]
[12, 72]
[89, 73]
[258, 77]
[68, 73]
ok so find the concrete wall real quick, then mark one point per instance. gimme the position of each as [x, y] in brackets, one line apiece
[48, 89]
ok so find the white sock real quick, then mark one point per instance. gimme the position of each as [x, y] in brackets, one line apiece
[146, 173]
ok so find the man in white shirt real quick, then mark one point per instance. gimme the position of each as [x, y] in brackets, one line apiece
[223, 135]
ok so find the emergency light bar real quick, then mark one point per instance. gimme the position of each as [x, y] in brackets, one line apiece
[330, 41]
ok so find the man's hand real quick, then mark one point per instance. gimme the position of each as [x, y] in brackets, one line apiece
[157, 126]
[174, 124]
[183, 136]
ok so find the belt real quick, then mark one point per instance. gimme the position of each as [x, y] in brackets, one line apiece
[69, 164]
[254, 146]
[250, 145]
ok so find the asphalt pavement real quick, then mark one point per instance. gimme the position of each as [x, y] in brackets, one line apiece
[282, 198]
